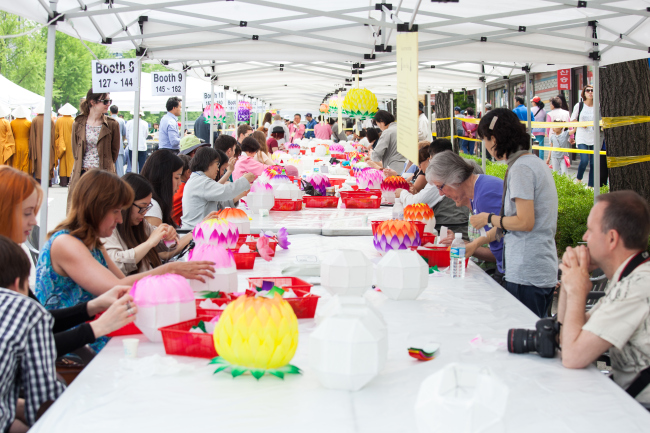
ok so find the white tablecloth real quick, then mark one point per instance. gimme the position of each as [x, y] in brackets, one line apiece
[544, 396]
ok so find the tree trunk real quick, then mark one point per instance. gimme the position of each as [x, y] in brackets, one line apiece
[625, 91]
[442, 112]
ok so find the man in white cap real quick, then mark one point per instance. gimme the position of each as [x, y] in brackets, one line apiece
[7, 143]
[142, 144]
[63, 142]
[36, 143]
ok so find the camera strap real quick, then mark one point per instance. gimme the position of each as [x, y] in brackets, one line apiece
[634, 263]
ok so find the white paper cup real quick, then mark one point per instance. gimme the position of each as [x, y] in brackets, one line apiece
[130, 347]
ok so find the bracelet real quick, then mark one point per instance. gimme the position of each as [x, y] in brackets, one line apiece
[490, 219]
[501, 223]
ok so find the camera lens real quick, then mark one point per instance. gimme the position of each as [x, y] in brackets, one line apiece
[522, 341]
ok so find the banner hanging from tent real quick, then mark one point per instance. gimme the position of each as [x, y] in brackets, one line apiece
[407, 94]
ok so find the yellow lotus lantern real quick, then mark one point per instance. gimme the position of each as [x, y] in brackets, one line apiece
[360, 104]
[259, 335]
[334, 104]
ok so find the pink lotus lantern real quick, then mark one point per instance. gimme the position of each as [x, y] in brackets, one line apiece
[337, 148]
[225, 269]
[319, 182]
[358, 168]
[260, 197]
[389, 185]
[215, 113]
[396, 235]
[370, 179]
[294, 149]
[238, 218]
[275, 175]
[162, 300]
[216, 231]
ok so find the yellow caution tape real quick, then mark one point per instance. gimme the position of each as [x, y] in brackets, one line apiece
[621, 161]
[564, 149]
[606, 122]
[613, 122]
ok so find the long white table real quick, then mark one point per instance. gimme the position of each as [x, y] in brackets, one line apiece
[544, 396]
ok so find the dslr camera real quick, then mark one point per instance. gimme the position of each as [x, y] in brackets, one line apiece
[543, 339]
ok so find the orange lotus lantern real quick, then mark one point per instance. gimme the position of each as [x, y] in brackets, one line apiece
[390, 184]
[423, 213]
[396, 235]
[238, 218]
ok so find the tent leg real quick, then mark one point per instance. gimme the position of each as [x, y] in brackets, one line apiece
[597, 140]
[483, 102]
[184, 110]
[427, 100]
[212, 109]
[47, 129]
[451, 118]
[527, 101]
[135, 133]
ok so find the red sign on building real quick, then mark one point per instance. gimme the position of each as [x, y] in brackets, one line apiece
[564, 79]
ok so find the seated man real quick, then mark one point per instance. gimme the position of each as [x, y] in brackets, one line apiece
[28, 354]
[617, 238]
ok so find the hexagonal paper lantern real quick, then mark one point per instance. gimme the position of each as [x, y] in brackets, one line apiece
[370, 179]
[216, 231]
[348, 147]
[348, 350]
[287, 191]
[162, 300]
[238, 218]
[337, 304]
[346, 272]
[396, 235]
[260, 197]
[402, 274]
[461, 398]
[294, 149]
[321, 150]
[225, 269]
[360, 104]
[423, 213]
[390, 184]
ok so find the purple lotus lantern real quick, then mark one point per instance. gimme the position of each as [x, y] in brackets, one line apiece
[319, 182]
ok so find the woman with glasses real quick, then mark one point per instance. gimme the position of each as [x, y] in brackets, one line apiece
[96, 138]
[584, 112]
[135, 245]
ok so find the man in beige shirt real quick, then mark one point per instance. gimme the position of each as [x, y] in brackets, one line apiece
[617, 238]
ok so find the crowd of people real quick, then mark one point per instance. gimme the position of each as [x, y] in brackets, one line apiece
[121, 228]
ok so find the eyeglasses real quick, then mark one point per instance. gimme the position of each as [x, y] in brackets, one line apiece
[143, 210]
[105, 101]
[441, 187]
[589, 90]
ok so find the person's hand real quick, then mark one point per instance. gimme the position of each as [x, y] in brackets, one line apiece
[158, 235]
[470, 248]
[190, 270]
[479, 221]
[449, 239]
[231, 164]
[575, 266]
[412, 189]
[398, 191]
[250, 177]
[211, 215]
[390, 172]
[119, 314]
[106, 299]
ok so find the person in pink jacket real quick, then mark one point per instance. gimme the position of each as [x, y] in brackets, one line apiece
[247, 162]
[296, 129]
[323, 131]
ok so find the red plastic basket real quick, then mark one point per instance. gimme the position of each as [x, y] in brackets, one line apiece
[338, 156]
[360, 193]
[303, 305]
[245, 260]
[303, 151]
[282, 282]
[364, 202]
[321, 201]
[287, 205]
[374, 224]
[437, 256]
[336, 182]
[253, 245]
[129, 329]
[211, 312]
[178, 340]
[428, 238]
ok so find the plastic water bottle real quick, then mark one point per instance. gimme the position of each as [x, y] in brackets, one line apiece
[472, 233]
[398, 209]
[457, 257]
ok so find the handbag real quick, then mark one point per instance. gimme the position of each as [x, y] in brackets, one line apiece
[567, 161]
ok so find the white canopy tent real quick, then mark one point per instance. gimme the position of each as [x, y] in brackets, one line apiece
[300, 50]
[13, 95]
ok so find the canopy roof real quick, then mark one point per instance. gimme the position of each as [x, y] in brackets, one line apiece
[13, 95]
[247, 41]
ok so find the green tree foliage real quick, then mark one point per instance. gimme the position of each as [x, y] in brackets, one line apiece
[22, 59]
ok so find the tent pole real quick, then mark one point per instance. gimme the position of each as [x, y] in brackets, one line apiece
[135, 133]
[427, 100]
[212, 109]
[184, 109]
[340, 110]
[47, 127]
[451, 117]
[597, 140]
[483, 102]
[527, 101]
